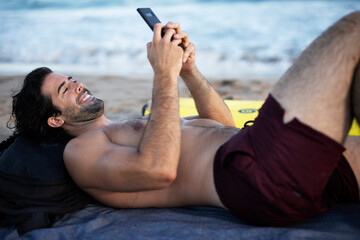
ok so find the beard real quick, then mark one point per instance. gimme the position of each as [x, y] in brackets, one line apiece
[91, 111]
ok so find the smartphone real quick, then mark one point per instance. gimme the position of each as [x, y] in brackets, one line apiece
[150, 18]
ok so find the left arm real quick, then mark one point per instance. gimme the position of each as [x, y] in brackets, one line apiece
[209, 103]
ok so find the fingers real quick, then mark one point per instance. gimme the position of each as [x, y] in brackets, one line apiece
[174, 26]
[157, 32]
[183, 36]
[189, 50]
[168, 37]
[168, 34]
[179, 34]
[172, 30]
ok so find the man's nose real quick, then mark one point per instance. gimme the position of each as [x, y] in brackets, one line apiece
[79, 87]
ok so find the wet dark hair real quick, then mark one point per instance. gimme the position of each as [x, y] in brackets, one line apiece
[31, 110]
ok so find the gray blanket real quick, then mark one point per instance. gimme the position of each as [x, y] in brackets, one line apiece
[100, 222]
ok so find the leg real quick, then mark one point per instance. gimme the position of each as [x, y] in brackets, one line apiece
[352, 155]
[316, 89]
[356, 94]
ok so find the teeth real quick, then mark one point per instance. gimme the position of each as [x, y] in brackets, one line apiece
[86, 98]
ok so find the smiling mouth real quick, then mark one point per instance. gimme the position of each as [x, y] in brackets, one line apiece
[84, 97]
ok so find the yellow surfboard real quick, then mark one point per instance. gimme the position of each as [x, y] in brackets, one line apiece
[241, 110]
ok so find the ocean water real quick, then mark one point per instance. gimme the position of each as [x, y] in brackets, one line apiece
[232, 38]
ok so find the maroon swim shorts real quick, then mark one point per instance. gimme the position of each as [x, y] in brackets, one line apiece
[275, 174]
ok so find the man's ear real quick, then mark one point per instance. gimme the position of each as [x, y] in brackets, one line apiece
[55, 122]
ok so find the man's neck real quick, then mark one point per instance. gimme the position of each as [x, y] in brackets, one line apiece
[79, 128]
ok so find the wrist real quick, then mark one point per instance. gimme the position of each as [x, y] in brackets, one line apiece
[189, 72]
[166, 74]
[165, 77]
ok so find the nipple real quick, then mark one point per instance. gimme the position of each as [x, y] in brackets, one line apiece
[138, 126]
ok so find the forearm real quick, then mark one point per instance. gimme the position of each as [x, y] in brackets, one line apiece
[208, 102]
[160, 145]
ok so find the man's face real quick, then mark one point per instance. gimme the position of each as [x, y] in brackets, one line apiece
[73, 99]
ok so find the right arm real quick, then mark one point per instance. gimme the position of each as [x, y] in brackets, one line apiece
[95, 162]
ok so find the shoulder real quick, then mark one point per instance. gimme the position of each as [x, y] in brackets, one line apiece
[91, 137]
[86, 146]
[82, 154]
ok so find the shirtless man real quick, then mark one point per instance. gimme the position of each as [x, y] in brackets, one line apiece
[287, 167]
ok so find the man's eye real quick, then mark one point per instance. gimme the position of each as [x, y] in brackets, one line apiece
[65, 90]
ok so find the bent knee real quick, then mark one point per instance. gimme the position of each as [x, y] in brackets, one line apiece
[353, 16]
[351, 21]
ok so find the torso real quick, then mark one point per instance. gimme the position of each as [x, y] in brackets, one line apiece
[194, 184]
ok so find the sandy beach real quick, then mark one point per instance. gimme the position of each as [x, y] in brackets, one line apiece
[124, 96]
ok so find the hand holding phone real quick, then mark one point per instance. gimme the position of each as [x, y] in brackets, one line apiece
[151, 19]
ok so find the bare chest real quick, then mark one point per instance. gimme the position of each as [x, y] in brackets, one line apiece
[200, 140]
[129, 132]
